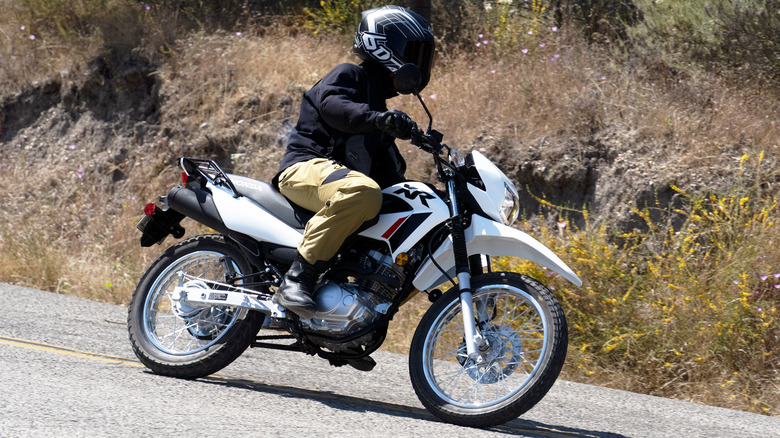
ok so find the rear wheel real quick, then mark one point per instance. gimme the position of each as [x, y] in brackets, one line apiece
[527, 335]
[177, 340]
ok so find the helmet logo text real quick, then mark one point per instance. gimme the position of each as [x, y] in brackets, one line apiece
[375, 45]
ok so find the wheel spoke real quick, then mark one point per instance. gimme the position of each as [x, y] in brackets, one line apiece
[514, 326]
[180, 331]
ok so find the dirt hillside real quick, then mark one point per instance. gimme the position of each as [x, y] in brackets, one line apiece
[120, 121]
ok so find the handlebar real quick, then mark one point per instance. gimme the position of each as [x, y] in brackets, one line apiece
[430, 142]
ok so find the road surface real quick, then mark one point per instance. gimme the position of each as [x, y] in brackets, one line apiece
[67, 369]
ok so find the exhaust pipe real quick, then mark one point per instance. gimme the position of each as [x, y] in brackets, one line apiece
[197, 204]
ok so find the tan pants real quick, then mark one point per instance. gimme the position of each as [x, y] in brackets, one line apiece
[341, 198]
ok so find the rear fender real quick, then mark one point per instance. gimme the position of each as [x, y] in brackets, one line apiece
[491, 238]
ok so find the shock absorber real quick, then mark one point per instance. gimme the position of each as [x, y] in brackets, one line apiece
[474, 341]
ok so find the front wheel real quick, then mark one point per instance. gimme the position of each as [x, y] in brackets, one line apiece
[174, 339]
[527, 338]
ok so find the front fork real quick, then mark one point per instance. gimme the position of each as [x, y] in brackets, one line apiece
[475, 342]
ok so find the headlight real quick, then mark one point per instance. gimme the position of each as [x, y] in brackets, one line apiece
[510, 208]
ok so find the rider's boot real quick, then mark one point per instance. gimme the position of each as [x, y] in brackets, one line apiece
[297, 289]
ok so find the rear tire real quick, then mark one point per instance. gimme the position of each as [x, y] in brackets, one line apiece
[527, 332]
[188, 343]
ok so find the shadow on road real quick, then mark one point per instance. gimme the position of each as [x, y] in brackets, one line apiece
[518, 427]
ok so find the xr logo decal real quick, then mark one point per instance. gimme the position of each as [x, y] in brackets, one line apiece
[410, 192]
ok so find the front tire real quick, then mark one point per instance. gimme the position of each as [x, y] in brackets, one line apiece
[175, 340]
[526, 329]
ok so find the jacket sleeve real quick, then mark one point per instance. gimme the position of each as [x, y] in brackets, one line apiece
[342, 97]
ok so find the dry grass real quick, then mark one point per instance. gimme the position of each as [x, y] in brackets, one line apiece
[27, 56]
[233, 96]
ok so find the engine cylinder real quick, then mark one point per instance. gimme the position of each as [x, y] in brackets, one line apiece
[340, 309]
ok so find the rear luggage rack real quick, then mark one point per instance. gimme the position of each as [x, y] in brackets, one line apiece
[203, 171]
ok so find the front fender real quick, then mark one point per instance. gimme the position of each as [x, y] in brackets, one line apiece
[485, 236]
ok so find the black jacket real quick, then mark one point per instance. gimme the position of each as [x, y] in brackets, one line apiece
[337, 122]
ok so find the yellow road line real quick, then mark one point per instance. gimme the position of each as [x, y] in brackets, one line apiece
[64, 350]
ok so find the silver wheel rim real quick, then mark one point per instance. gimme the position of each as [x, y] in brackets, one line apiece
[517, 332]
[165, 326]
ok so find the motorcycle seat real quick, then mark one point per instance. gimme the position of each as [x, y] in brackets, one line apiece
[269, 198]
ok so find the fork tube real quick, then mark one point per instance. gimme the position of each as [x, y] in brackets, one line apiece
[463, 274]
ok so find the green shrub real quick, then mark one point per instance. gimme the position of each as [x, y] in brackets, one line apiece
[731, 34]
[598, 19]
[748, 34]
[339, 16]
[670, 308]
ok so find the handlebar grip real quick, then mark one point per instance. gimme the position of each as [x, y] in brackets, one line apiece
[430, 143]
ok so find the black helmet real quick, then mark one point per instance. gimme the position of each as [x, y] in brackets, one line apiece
[393, 36]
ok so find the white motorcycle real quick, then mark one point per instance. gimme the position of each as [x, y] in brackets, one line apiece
[485, 352]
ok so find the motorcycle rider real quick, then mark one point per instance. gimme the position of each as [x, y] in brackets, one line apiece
[342, 151]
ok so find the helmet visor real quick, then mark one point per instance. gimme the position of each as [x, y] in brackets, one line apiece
[420, 53]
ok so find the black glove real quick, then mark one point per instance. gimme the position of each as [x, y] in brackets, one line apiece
[395, 123]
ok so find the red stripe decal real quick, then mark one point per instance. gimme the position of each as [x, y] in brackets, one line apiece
[395, 226]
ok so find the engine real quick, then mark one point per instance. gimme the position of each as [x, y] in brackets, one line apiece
[341, 309]
[346, 307]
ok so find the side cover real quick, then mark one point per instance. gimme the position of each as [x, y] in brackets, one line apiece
[485, 236]
[247, 217]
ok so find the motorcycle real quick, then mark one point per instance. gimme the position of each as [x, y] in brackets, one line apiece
[485, 351]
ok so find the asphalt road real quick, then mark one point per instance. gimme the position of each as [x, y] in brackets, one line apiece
[66, 369]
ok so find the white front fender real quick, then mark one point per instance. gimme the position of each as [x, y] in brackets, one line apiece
[488, 237]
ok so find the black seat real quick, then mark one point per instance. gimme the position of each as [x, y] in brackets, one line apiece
[269, 198]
